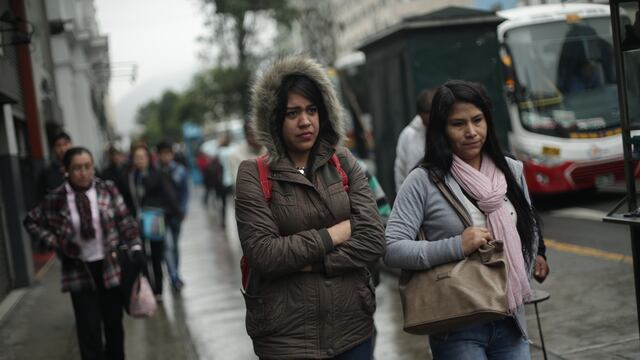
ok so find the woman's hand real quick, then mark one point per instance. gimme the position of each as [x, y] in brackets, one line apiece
[474, 237]
[340, 232]
[541, 269]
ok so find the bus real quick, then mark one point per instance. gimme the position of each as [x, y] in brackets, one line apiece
[561, 95]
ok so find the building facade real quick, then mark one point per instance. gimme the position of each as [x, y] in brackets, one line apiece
[21, 141]
[54, 75]
[81, 60]
[357, 20]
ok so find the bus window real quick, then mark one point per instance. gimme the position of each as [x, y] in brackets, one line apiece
[565, 76]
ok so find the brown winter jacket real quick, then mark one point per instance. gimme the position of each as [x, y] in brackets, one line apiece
[293, 314]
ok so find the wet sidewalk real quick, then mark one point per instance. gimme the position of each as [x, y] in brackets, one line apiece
[206, 320]
[41, 326]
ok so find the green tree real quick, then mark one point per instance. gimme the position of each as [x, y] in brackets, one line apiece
[235, 26]
[159, 119]
[222, 91]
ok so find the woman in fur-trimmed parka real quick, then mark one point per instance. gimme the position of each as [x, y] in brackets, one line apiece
[309, 295]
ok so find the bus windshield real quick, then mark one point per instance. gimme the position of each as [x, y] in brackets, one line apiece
[565, 77]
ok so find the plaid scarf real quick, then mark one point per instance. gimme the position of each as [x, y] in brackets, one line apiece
[87, 231]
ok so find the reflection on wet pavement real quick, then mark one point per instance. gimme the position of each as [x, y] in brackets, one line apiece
[214, 309]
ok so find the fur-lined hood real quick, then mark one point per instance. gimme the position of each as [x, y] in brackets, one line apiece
[263, 102]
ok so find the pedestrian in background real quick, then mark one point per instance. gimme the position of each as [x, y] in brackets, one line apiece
[116, 171]
[463, 149]
[247, 150]
[151, 191]
[309, 295]
[179, 177]
[52, 176]
[85, 220]
[411, 142]
[224, 180]
[203, 162]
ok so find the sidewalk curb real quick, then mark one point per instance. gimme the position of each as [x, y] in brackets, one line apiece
[15, 296]
[10, 302]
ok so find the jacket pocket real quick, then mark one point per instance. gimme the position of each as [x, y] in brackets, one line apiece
[282, 198]
[368, 294]
[335, 188]
[262, 315]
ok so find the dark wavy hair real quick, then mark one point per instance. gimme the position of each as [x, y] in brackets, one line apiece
[73, 152]
[301, 85]
[439, 156]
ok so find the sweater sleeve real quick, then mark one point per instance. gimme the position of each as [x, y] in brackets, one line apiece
[36, 225]
[407, 216]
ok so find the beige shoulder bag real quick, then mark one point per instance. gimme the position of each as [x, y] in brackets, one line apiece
[450, 296]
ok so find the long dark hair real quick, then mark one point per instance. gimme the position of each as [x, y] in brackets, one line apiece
[301, 85]
[135, 147]
[439, 157]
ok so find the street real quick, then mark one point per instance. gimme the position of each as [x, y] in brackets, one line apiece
[591, 313]
[167, 98]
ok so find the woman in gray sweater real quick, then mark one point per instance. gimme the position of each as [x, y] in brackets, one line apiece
[463, 150]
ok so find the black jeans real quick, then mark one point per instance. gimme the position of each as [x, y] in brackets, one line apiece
[157, 257]
[224, 192]
[97, 309]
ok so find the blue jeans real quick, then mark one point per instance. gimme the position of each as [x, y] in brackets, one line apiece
[172, 253]
[363, 351]
[497, 340]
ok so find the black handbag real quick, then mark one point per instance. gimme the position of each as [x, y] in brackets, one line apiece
[128, 274]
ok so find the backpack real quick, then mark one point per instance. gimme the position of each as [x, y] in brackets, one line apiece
[266, 184]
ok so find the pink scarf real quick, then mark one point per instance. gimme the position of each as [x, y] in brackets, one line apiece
[489, 187]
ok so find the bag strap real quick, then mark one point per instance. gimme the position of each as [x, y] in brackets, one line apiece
[451, 199]
[266, 185]
[343, 175]
[263, 175]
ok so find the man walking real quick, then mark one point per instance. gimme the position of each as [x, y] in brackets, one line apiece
[411, 142]
[249, 149]
[180, 182]
[52, 176]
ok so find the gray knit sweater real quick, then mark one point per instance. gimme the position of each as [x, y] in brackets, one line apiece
[420, 203]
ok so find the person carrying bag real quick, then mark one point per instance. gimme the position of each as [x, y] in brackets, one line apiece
[449, 296]
[86, 221]
[476, 314]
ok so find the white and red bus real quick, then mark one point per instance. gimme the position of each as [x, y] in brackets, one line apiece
[562, 95]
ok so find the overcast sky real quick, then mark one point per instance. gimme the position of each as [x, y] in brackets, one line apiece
[160, 37]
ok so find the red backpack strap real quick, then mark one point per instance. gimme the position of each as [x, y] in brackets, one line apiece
[263, 175]
[343, 175]
[265, 183]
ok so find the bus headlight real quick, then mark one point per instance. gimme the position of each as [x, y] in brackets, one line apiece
[542, 179]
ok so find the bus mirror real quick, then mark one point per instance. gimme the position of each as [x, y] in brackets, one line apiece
[509, 72]
[572, 18]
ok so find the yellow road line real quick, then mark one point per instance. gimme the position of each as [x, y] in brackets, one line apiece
[587, 251]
